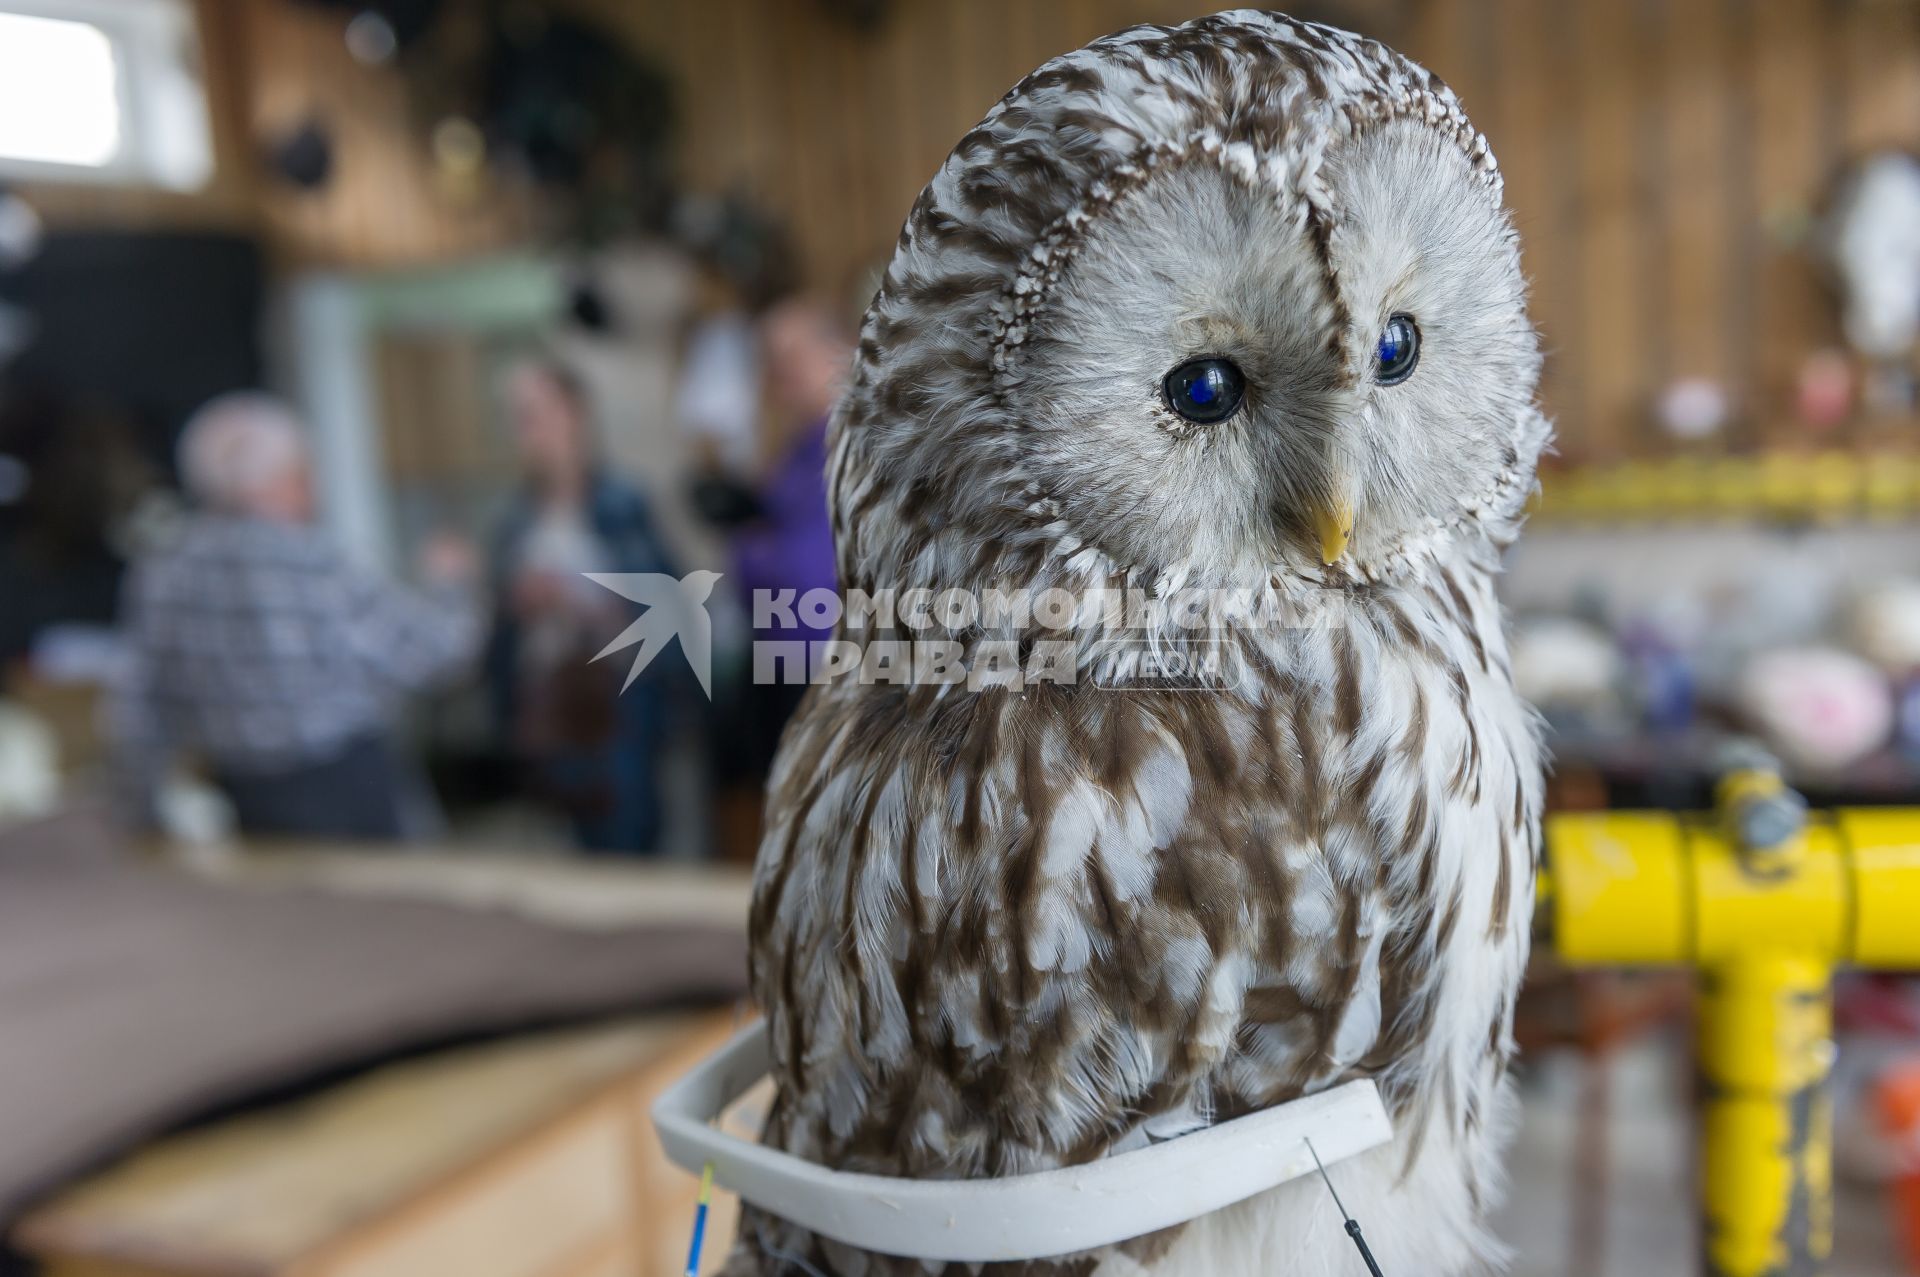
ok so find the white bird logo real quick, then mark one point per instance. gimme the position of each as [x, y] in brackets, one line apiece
[675, 608]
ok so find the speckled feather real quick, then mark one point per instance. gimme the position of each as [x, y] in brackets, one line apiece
[1002, 930]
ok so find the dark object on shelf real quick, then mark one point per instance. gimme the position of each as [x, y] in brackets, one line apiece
[304, 157]
[558, 98]
[741, 243]
[588, 308]
[579, 111]
[724, 502]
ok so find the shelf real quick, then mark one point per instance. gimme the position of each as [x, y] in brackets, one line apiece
[1829, 486]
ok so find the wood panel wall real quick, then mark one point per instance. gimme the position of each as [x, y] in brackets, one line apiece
[382, 205]
[269, 65]
[1661, 155]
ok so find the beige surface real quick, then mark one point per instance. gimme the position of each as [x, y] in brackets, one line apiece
[528, 1157]
[564, 891]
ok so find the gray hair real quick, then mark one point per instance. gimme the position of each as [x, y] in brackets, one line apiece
[236, 445]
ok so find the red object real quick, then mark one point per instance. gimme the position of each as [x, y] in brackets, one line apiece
[1897, 1099]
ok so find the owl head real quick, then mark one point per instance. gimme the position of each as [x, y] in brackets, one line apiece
[1236, 297]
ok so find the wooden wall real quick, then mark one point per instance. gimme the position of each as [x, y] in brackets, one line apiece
[1661, 155]
[268, 66]
[382, 205]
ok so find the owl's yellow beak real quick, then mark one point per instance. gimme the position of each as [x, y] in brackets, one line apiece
[1334, 523]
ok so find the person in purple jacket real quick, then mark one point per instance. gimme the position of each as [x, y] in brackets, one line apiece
[806, 351]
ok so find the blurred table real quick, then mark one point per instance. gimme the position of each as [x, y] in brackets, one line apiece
[528, 1157]
[587, 893]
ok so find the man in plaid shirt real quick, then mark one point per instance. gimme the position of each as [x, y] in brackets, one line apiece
[254, 646]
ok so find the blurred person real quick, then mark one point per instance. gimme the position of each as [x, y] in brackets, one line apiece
[252, 643]
[806, 351]
[743, 264]
[716, 397]
[589, 747]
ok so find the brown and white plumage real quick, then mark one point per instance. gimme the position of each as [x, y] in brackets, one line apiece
[998, 930]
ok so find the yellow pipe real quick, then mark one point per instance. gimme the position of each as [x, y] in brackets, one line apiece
[1766, 927]
[1883, 847]
[1765, 1157]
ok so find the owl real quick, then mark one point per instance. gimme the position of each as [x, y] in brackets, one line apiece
[1227, 315]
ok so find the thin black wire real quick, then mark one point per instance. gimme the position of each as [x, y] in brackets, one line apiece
[1352, 1224]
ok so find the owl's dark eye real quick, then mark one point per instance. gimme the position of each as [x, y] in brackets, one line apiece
[1205, 390]
[1398, 352]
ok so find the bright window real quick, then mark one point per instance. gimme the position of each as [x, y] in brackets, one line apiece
[59, 101]
[103, 91]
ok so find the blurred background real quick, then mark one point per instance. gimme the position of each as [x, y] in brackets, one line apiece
[432, 306]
